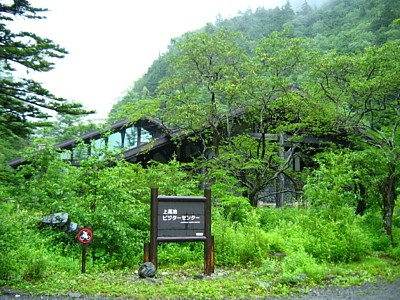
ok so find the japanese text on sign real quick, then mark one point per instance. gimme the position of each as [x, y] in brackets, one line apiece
[171, 214]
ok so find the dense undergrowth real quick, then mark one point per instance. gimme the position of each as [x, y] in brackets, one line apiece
[258, 251]
[275, 252]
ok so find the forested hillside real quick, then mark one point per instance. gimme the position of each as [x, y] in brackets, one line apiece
[340, 25]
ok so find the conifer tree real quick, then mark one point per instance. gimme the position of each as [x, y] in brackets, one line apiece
[24, 103]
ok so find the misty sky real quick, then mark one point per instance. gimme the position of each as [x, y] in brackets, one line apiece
[111, 44]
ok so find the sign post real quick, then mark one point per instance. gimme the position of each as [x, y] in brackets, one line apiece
[85, 236]
[181, 219]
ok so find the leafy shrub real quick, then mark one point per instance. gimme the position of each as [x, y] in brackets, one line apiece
[26, 253]
[32, 262]
[333, 240]
[269, 266]
[395, 252]
[371, 223]
[323, 238]
[239, 244]
[113, 201]
[180, 253]
[11, 233]
[300, 263]
[270, 218]
[236, 209]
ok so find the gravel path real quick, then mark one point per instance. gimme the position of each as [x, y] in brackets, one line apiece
[370, 291]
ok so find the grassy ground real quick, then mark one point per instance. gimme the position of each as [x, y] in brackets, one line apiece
[188, 281]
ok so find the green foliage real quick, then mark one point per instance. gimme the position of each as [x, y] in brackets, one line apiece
[113, 201]
[395, 252]
[236, 209]
[236, 244]
[202, 68]
[180, 254]
[301, 266]
[10, 146]
[332, 185]
[337, 241]
[270, 218]
[372, 227]
[295, 245]
[24, 101]
[64, 128]
[27, 254]
[314, 232]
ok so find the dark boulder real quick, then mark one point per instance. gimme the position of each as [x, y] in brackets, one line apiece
[147, 270]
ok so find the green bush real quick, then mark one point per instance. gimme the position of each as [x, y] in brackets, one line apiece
[322, 237]
[332, 240]
[269, 266]
[27, 252]
[236, 209]
[292, 243]
[12, 233]
[371, 223]
[299, 266]
[239, 244]
[113, 201]
[170, 253]
[270, 217]
[395, 252]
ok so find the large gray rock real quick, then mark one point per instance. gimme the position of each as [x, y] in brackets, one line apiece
[147, 270]
[60, 220]
[56, 220]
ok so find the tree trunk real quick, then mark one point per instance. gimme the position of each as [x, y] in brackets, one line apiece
[389, 197]
[216, 141]
[361, 203]
[280, 186]
[280, 183]
[252, 198]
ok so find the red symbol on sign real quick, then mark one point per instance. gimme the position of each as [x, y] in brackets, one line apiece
[85, 235]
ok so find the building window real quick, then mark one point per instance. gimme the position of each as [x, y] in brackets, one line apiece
[145, 136]
[97, 146]
[114, 141]
[65, 155]
[80, 152]
[297, 164]
[131, 136]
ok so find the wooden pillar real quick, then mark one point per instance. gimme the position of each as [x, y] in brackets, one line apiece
[209, 243]
[153, 228]
[146, 257]
[209, 256]
[84, 246]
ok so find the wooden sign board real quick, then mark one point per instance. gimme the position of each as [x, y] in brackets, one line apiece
[181, 219]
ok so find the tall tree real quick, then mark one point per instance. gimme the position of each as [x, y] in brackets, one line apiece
[24, 103]
[274, 106]
[363, 92]
[200, 91]
[305, 9]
